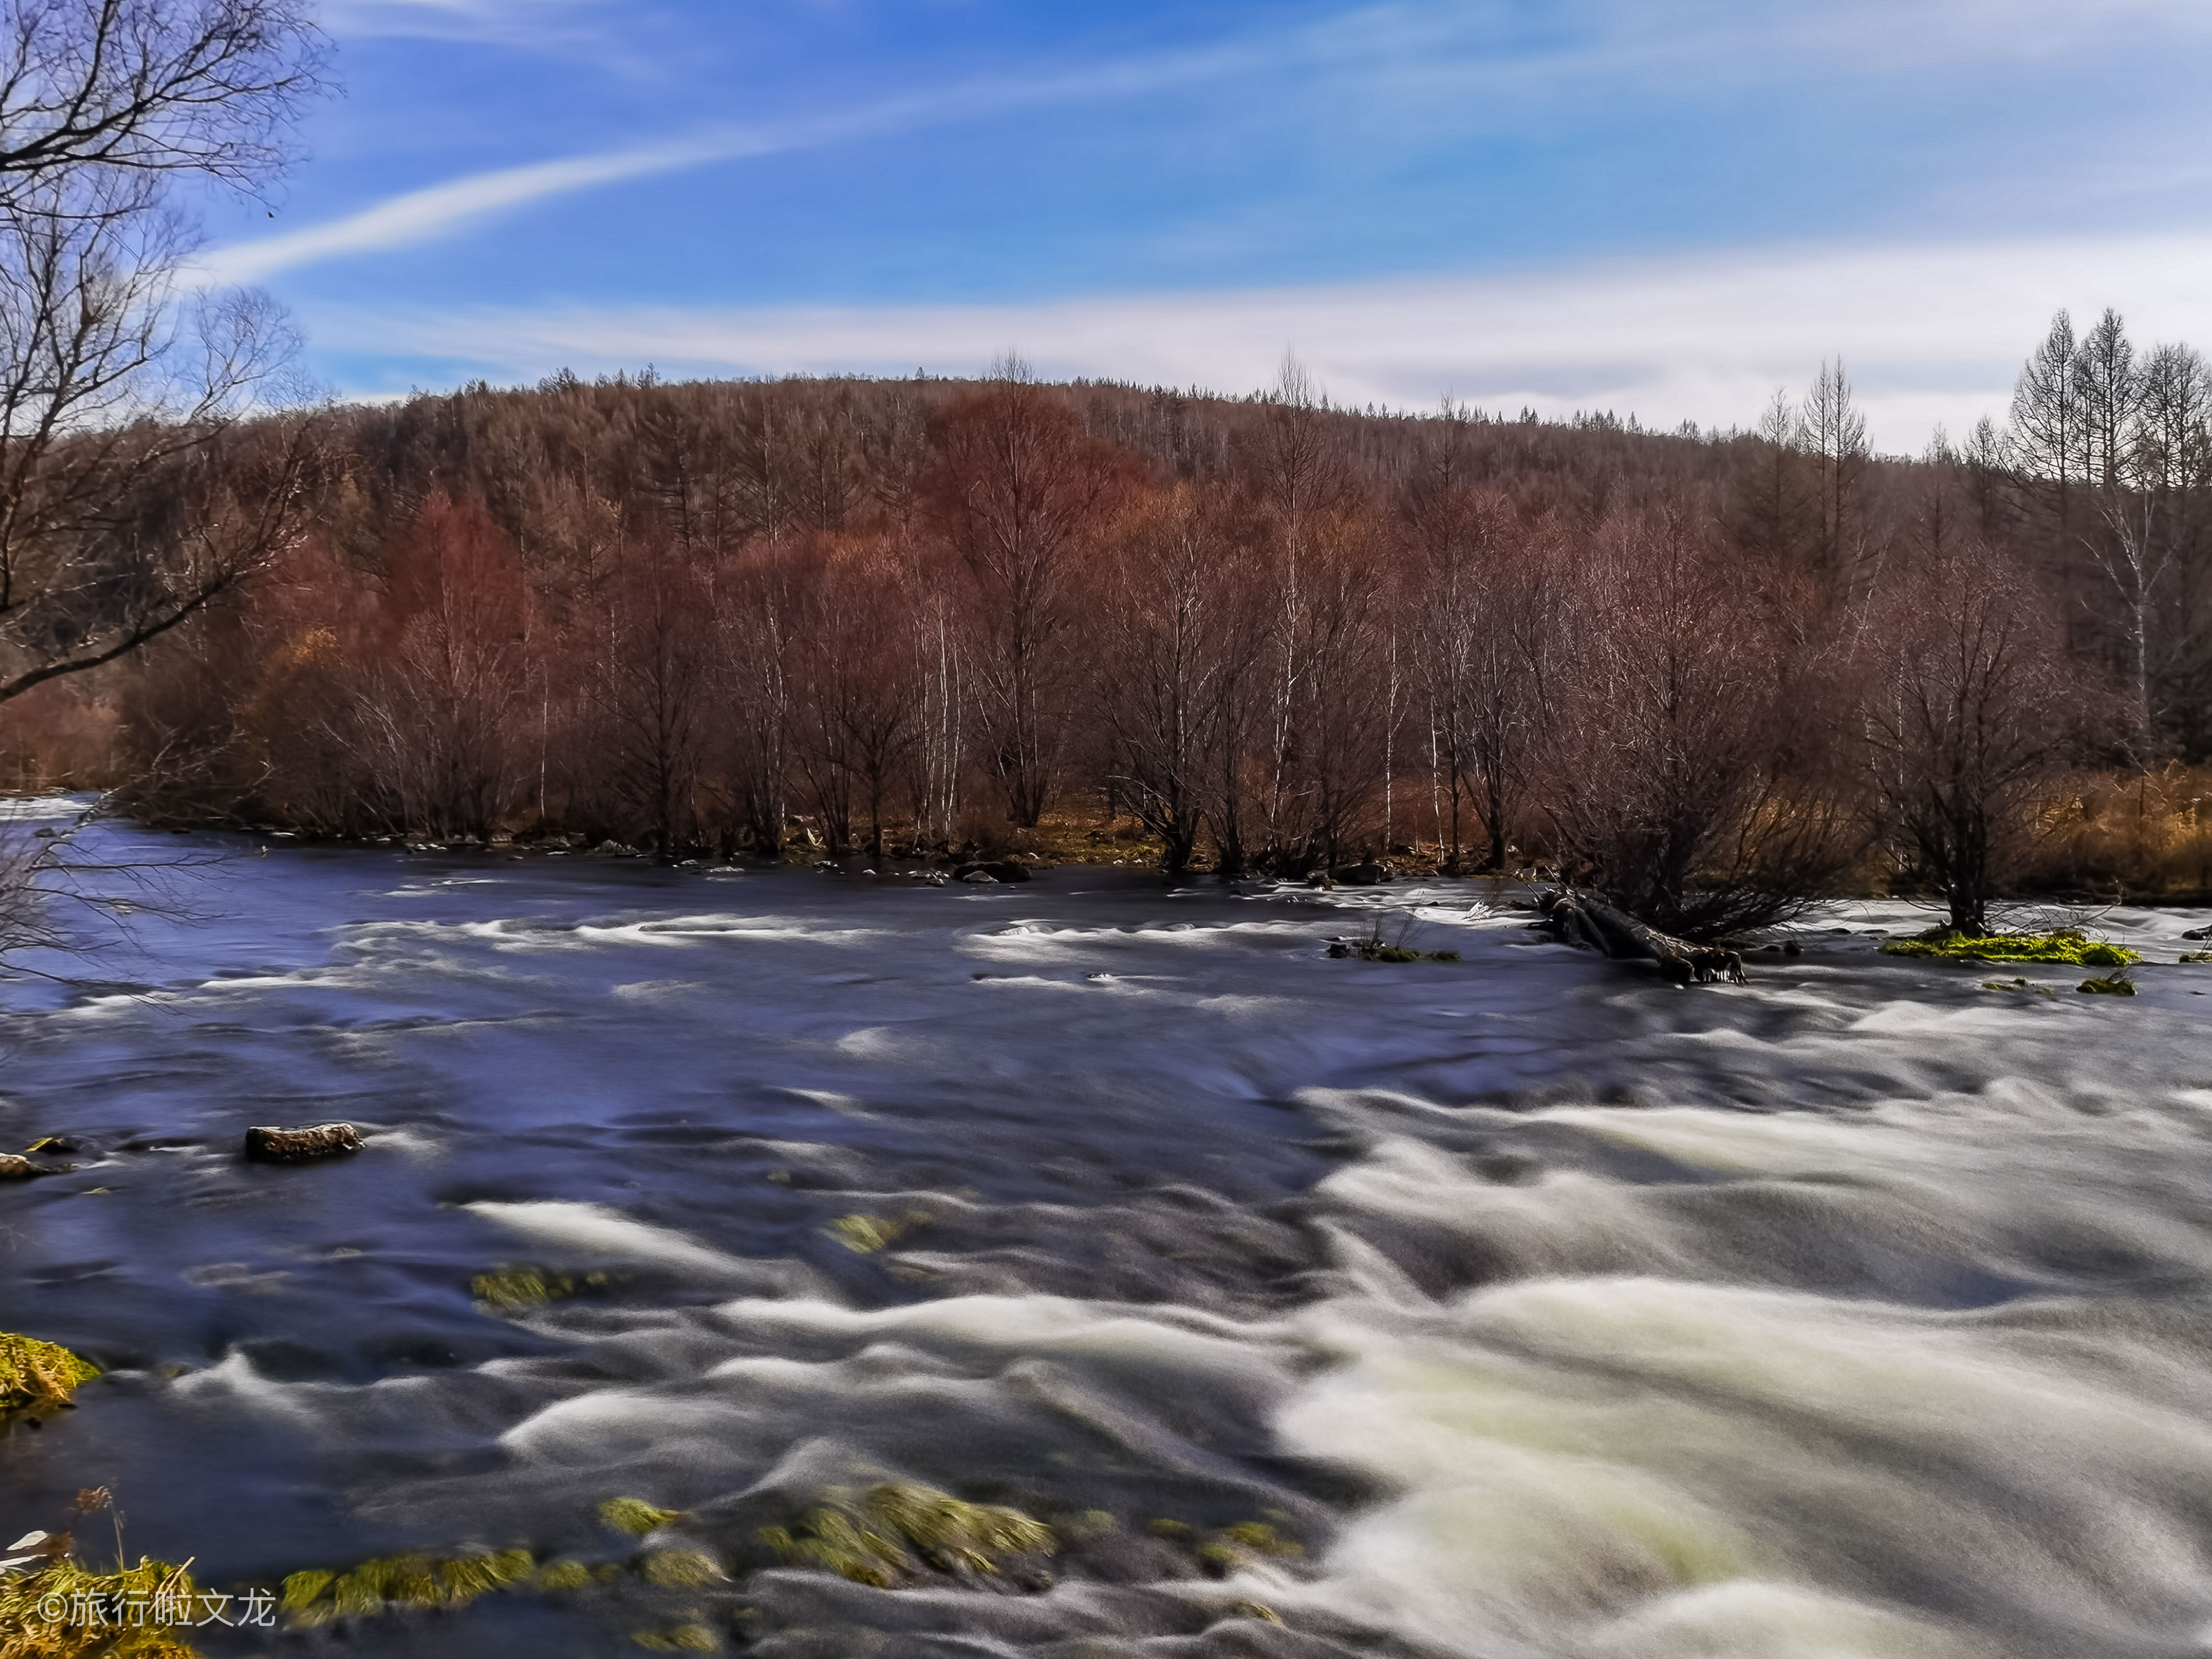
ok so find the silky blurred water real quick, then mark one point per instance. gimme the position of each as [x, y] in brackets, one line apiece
[1548, 1309]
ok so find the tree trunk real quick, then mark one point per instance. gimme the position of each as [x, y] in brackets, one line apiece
[1584, 918]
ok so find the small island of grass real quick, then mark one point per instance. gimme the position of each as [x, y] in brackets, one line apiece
[2068, 945]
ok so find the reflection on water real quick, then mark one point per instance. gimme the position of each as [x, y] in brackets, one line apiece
[1518, 1306]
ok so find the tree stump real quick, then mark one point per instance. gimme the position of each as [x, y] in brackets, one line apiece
[271, 1145]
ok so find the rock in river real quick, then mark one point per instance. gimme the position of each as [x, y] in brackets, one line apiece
[269, 1145]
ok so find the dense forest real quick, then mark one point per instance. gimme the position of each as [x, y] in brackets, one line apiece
[1721, 671]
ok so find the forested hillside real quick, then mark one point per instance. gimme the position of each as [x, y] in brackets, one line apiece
[733, 616]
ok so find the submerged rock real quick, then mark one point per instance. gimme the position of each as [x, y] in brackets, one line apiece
[273, 1145]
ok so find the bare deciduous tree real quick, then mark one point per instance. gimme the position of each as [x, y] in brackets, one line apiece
[152, 86]
[1973, 702]
[1020, 489]
[1481, 644]
[116, 375]
[1169, 648]
[1686, 776]
[1834, 436]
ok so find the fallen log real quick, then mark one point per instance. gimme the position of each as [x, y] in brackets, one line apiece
[1587, 920]
[272, 1145]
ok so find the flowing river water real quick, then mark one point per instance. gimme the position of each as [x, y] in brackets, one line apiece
[1545, 1310]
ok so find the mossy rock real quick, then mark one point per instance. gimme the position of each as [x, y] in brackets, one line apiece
[558, 1576]
[514, 1289]
[680, 1569]
[1237, 1545]
[400, 1582]
[634, 1515]
[680, 1638]
[1373, 950]
[865, 1234]
[27, 1633]
[2113, 985]
[873, 1539]
[37, 1379]
[1260, 1539]
[1260, 1611]
[1082, 1528]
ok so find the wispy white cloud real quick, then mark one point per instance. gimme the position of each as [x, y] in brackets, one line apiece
[420, 215]
[510, 22]
[1930, 334]
[1453, 49]
[1695, 45]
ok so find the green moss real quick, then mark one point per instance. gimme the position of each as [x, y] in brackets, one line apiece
[679, 1569]
[1090, 1524]
[1166, 1529]
[1260, 1539]
[2197, 956]
[634, 1515]
[2030, 987]
[27, 1633]
[512, 1289]
[2068, 946]
[301, 1590]
[2113, 985]
[399, 1583]
[37, 1378]
[864, 1235]
[1374, 950]
[1236, 1545]
[682, 1638]
[831, 1539]
[971, 1534]
[556, 1576]
[1254, 1610]
[867, 1539]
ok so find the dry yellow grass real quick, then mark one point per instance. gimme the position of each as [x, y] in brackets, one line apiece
[2145, 836]
[65, 1610]
[37, 1378]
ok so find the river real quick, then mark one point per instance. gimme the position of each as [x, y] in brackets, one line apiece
[1519, 1305]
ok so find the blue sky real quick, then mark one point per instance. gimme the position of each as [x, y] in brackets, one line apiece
[1662, 207]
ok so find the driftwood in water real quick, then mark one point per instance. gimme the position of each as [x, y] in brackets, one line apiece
[1584, 918]
[267, 1146]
